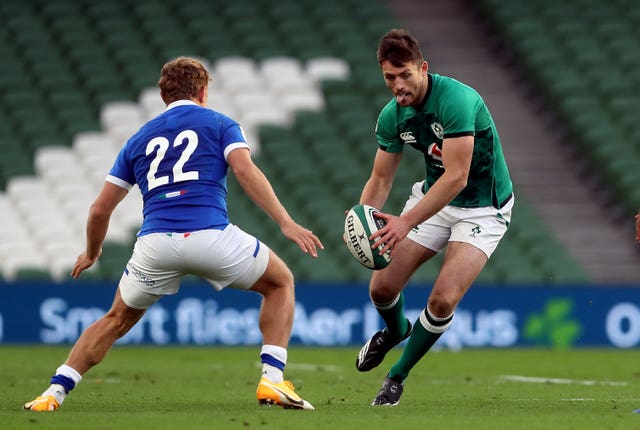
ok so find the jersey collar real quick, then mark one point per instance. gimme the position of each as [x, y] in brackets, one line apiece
[181, 103]
[426, 95]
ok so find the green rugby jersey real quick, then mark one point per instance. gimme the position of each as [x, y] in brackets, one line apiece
[450, 109]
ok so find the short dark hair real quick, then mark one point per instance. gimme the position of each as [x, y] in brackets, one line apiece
[181, 79]
[398, 47]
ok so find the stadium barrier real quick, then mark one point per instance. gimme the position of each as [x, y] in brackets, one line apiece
[330, 315]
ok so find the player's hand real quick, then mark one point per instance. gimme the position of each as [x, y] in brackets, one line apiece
[83, 262]
[304, 238]
[391, 234]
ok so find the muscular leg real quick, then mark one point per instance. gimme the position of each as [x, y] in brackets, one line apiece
[276, 318]
[461, 266]
[94, 343]
[90, 349]
[386, 285]
[276, 312]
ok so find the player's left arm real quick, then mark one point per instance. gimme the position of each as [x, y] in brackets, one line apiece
[97, 225]
[259, 189]
[456, 159]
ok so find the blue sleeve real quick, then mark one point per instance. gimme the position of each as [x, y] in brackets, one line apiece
[231, 132]
[122, 167]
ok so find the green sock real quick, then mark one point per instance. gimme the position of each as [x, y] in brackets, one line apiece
[420, 342]
[393, 316]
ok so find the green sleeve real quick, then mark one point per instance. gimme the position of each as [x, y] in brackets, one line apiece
[386, 133]
[458, 112]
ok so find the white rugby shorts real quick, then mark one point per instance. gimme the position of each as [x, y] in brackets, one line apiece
[481, 227]
[224, 258]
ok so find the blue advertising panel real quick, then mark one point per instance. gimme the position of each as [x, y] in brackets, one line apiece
[330, 315]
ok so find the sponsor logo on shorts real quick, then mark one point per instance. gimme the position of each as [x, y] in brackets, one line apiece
[143, 278]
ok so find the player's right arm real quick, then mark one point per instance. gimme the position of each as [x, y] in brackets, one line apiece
[387, 160]
[378, 186]
[258, 188]
[97, 224]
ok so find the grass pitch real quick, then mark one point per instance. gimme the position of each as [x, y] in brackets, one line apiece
[191, 388]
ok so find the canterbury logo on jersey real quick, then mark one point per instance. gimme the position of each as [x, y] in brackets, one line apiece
[407, 137]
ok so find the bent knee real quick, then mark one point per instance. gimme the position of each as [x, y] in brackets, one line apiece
[280, 276]
[441, 306]
[381, 293]
[277, 277]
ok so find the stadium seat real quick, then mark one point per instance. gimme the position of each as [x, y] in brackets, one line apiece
[284, 75]
[26, 259]
[309, 99]
[84, 76]
[121, 114]
[16, 162]
[89, 143]
[301, 43]
[114, 259]
[129, 212]
[327, 68]
[62, 254]
[585, 57]
[32, 274]
[151, 102]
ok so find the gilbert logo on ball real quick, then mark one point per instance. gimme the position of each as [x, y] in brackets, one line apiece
[359, 225]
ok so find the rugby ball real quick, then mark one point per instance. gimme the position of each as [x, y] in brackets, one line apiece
[359, 225]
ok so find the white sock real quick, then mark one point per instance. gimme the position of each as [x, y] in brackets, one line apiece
[69, 372]
[273, 373]
[57, 390]
[277, 352]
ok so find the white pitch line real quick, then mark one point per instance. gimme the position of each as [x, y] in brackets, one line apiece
[308, 366]
[541, 380]
[576, 399]
[105, 381]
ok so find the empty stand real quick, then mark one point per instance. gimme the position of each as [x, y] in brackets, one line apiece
[584, 54]
[300, 76]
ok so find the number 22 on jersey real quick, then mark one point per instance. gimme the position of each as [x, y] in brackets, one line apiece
[162, 145]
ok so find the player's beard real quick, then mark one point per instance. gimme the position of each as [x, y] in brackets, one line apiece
[412, 98]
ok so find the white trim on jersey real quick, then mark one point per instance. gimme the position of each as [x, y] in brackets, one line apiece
[119, 182]
[233, 146]
[181, 103]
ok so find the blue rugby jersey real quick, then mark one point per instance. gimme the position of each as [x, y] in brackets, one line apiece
[178, 161]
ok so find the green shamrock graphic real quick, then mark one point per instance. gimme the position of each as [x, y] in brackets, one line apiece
[554, 325]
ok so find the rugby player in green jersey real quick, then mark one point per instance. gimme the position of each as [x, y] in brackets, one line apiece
[463, 204]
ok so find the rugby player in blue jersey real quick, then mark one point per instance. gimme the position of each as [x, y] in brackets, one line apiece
[179, 160]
